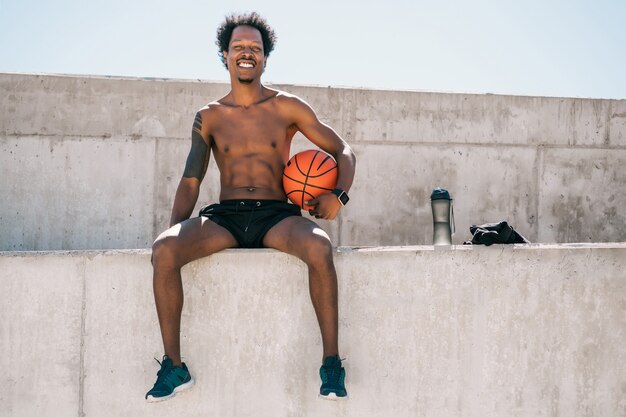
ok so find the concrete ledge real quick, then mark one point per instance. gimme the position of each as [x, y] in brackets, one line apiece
[69, 145]
[474, 331]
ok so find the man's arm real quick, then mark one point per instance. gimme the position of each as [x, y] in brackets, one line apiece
[195, 168]
[327, 206]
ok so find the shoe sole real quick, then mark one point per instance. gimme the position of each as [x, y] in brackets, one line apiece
[178, 389]
[332, 397]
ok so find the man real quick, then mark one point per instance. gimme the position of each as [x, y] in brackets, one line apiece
[249, 132]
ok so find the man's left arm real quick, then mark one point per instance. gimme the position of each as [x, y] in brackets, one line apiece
[327, 205]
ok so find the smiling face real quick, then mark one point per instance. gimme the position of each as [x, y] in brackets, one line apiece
[245, 56]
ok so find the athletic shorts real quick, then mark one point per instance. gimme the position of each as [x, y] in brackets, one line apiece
[249, 220]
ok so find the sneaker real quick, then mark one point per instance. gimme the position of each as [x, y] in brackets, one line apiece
[333, 379]
[170, 380]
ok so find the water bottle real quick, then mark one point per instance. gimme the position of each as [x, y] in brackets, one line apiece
[443, 217]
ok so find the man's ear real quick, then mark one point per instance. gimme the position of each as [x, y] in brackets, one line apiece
[225, 53]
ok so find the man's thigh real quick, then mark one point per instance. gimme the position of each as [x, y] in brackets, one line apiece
[196, 238]
[294, 235]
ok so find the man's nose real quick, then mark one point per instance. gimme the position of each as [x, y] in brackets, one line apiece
[248, 56]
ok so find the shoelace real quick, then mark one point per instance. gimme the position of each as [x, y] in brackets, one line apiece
[333, 373]
[161, 369]
[165, 374]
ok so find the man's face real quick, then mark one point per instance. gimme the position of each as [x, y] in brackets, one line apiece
[245, 57]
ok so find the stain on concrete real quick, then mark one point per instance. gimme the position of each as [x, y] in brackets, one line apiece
[570, 214]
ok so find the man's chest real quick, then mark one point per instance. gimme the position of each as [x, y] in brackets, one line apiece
[251, 131]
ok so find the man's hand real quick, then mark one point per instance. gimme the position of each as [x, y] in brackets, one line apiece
[325, 206]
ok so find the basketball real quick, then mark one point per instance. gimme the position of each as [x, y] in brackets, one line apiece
[307, 175]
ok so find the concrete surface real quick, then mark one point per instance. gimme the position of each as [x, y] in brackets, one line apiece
[525, 331]
[93, 162]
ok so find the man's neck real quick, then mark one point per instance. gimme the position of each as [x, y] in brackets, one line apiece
[246, 95]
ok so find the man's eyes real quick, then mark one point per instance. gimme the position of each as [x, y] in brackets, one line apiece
[240, 47]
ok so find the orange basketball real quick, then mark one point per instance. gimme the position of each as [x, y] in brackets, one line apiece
[309, 174]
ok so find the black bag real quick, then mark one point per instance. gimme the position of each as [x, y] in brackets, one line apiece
[490, 233]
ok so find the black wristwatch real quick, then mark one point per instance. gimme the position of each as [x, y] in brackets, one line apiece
[341, 195]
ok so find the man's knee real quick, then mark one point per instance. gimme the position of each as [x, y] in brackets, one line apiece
[164, 250]
[318, 250]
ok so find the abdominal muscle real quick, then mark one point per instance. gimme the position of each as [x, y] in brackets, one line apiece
[252, 177]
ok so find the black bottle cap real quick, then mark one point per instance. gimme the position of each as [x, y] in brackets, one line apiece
[440, 194]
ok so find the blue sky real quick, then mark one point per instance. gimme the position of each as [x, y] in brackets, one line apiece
[545, 48]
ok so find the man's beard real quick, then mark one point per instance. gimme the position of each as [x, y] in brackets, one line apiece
[246, 81]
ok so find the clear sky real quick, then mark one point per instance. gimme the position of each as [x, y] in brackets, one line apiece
[568, 48]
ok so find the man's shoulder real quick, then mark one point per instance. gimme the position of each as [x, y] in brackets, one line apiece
[209, 110]
[285, 96]
[210, 107]
[289, 100]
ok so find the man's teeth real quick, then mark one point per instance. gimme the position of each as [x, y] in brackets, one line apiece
[245, 65]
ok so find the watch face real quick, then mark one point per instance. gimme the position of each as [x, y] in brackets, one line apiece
[341, 195]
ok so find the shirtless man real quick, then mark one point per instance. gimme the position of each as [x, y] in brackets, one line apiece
[249, 132]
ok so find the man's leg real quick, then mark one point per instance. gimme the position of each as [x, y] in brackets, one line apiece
[303, 238]
[177, 246]
[306, 240]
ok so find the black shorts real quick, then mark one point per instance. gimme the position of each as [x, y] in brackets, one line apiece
[249, 220]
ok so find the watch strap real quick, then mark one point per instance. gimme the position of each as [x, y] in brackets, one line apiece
[342, 196]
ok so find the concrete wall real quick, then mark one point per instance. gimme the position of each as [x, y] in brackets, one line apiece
[524, 331]
[93, 162]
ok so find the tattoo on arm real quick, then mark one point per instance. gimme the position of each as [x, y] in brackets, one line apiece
[197, 123]
[198, 158]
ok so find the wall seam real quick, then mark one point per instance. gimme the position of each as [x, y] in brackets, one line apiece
[488, 144]
[607, 128]
[81, 137]
[538, 178]
[155, 182]
[83, 310]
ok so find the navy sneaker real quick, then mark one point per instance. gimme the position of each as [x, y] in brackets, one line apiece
[170, 380]
[333, 379]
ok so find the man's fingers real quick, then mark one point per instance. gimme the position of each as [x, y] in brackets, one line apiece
[320, 209]
[314, 213]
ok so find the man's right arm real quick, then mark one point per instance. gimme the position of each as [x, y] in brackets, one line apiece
[195, 168]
